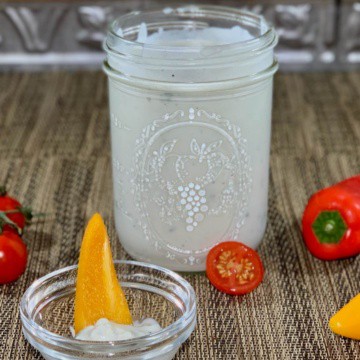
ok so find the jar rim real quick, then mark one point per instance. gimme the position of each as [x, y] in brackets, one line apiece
[117, 44]
[153, 339]
[186, 88]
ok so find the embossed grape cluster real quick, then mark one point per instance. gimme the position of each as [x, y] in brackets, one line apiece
[193, 200]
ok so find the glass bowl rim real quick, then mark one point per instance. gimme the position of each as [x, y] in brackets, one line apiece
[170, 331]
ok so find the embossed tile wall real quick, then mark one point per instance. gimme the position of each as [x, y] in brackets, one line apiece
[313, 35]
[348, 49]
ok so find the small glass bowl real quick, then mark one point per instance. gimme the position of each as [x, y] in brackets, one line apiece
[47, 310]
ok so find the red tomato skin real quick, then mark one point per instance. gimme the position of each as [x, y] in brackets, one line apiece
[13, 257]
[343, 197]
[219, 283]
[9, 203]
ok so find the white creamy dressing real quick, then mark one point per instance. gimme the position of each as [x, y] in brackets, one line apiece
[105, 330]
[194, 37]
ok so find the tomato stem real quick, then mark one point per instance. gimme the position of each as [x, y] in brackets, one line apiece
[14, 211]
[26, 211]
[2, 190]
[4, 220]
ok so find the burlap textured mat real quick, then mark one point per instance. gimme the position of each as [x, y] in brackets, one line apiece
[54, 155]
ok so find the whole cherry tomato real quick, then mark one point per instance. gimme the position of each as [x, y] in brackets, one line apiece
[8, 203]
[13, 257]
[234, 268]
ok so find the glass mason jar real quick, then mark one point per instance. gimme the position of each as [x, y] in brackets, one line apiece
[190, 132]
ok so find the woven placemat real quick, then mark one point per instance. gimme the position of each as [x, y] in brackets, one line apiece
[54, 155]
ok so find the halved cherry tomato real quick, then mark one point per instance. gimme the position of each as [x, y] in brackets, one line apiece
[13, 257]
[234, 268]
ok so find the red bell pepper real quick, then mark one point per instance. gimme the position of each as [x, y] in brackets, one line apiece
[331, 221]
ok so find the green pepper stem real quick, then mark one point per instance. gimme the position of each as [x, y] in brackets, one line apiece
[329, 227]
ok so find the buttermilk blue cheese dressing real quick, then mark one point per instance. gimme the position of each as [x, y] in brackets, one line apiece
[105, 330]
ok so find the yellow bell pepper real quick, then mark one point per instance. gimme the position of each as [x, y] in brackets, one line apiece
[346, 322]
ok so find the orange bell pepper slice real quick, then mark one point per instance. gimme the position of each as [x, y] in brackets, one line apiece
[98, 292]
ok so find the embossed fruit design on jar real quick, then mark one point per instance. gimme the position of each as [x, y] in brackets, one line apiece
[190, 113]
